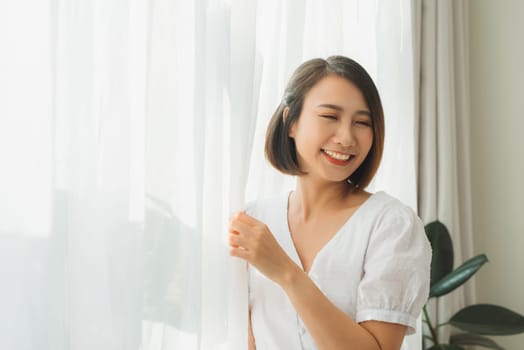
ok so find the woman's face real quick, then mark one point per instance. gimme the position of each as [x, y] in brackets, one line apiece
[334, 132]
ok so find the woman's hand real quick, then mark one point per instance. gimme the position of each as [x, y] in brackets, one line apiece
[252, 241]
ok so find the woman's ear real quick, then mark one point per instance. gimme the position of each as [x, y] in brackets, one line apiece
[291, 130]
[285, 113]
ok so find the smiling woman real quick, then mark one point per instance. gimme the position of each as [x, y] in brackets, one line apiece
[129, 130]
[332, 266]
[345, 136]
[338, 97]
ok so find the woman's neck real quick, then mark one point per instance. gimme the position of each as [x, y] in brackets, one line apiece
[312, 199]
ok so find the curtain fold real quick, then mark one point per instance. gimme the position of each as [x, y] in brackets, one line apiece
[444, 191]
[204, 107]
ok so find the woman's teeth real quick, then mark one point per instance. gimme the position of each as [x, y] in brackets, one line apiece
[335, 155]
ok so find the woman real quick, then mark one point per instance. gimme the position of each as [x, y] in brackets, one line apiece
[331, 266]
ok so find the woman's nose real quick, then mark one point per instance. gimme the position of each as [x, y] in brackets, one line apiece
[345, 135]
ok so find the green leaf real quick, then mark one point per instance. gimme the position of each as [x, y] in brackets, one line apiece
[445, 347]
[442, 257]
[474, 339]
[488, 319]
[458, 277]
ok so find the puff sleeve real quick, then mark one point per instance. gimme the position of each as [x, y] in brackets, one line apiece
[396, 271]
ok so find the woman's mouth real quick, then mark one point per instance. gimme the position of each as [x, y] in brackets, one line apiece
[337, 158]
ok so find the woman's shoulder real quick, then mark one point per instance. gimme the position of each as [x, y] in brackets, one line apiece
[396, 227]
[386, 208]
[384, 201]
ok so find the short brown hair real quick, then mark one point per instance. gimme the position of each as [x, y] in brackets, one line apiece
[280, 148]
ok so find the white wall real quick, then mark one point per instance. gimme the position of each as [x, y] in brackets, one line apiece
[497, 147]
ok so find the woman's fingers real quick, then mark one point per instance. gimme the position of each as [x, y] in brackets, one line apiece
[243, 234]
[244, 240]
[249, 237]
[242, 216]
[234, 240]
[252, 241]
[239, 253]
[235, 224]
[231, 242]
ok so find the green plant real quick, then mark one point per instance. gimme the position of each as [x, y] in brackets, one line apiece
[476, 320]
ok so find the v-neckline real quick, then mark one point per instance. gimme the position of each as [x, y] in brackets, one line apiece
[328, 243]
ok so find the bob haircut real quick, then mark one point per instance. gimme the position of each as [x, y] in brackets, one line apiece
[280, 149]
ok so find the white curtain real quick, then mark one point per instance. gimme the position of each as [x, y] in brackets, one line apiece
[443, 138]
[131, 129]
[71, 151]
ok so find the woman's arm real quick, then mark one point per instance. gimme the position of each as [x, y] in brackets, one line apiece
[331, 328]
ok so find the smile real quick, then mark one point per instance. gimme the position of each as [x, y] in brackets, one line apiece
[336, 158]
[336, 155]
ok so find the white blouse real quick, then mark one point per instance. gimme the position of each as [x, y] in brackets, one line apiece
[376, 267]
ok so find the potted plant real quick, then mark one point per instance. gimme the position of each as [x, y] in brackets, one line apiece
[476, 320]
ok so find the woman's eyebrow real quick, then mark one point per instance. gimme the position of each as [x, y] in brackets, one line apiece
[363, 112]
[328, 105]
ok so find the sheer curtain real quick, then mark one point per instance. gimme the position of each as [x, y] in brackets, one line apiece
[131, 129]
[71, 203]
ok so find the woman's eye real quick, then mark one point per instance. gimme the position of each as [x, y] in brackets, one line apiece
[364, 123]
[329, 116]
